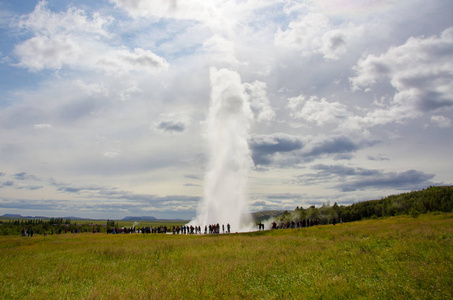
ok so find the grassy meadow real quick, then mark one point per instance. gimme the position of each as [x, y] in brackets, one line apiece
[393, 258]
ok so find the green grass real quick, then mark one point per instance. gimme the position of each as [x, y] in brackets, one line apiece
[395, 258]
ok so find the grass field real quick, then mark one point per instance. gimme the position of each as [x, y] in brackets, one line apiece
[394, 258]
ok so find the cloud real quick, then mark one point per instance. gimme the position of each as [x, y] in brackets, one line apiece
[335, 145]
[408, 180]
[420, 70]
[74, 20]
[40, 205]
[284, 150]
[30, 188]
[41, 52]
[333, 44]
[113, 194]
[171, 126]
[161, 207]
[349, 179]
[185, 10]
[172, 123]
[265, 147]
[25, 176]
[218, 15]
[441, 121]
[259, 102]
[192, 176]
[312, 33]
[125, 60]
[56, 52]
[72, 39]
[221, 50]
[6, 184]
[317, 110]
[42, 126]
[70, 189]
[284, 196]
[340, 170]
[304, 33]
[112, 154]
[377, 158]
[22, 181]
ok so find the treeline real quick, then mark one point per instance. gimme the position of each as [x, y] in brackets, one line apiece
[50, 226]
[432, 199]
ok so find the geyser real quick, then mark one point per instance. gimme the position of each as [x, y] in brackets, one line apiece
[228, 126]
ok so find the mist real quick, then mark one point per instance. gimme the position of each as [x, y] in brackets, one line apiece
[225, 198]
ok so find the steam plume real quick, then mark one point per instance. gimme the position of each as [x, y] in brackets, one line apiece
[228, 127]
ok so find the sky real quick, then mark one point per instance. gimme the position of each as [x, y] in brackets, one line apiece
[104, 104]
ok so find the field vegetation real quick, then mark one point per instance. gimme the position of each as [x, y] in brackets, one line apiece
[403, 257]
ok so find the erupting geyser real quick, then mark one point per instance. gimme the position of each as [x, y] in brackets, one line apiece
[228, 127]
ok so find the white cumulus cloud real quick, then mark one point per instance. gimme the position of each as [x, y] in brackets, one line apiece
[421, 71]
[75, 40]
[316, 110]
[313, 33]
[441, 121]
[259, 101]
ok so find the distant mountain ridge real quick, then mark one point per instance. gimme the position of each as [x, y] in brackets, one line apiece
[20, 216]
[11, 216]
[141, 218]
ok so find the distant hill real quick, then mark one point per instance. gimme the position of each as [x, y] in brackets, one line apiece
[432, 199]
[17, 216]
[11, 216]
[142, 218]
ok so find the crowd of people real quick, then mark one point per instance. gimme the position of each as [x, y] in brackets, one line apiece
[183, 229]
[28, 232]
[217, 229]
[298, 224]
[190, 229]
[208, 229]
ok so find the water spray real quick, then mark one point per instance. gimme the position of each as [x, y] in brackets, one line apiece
[225, 198]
